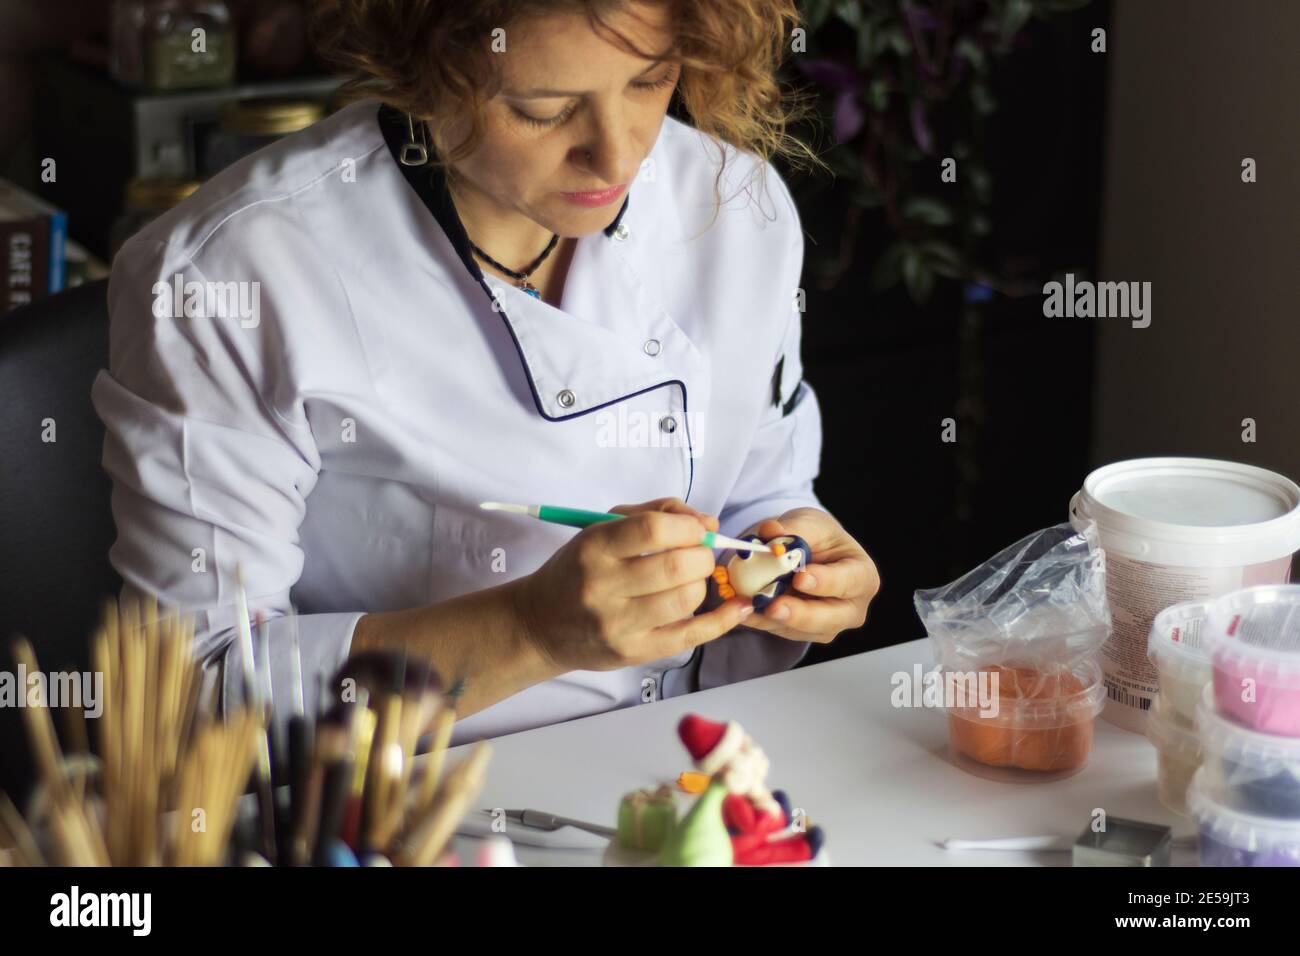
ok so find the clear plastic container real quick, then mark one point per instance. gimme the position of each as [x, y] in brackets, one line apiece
[1231, 838]
[1042, 728]
[1247, 770]
[1178, 752]
[1253, 637]
[1176, 647]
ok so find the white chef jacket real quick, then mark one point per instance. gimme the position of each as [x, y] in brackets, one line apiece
[336, 441]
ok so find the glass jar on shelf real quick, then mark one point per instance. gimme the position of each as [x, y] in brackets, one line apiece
[164, 45]
[146, 200]
[248, 125]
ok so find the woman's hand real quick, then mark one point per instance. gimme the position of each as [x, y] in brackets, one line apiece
[833, 591]
[625, 592]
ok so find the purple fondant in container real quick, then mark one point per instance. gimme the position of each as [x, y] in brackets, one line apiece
[1232, 838]
[1214, 853]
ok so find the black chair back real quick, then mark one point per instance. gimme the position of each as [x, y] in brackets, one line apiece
[55, 523]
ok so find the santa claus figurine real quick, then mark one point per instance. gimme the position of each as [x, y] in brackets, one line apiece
[757, 819]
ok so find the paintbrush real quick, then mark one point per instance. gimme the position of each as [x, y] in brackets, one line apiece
[577, 518]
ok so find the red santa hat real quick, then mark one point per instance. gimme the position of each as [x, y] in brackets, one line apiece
[711, 744]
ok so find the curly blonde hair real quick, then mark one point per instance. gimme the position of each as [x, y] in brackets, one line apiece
[432, 59]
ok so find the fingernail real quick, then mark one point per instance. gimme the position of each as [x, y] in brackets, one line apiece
[780, 612]
[747, 610]
[809, 582]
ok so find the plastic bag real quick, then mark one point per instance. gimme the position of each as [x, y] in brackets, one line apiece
[1039, 602]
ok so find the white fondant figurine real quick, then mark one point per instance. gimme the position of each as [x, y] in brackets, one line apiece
[763, 576]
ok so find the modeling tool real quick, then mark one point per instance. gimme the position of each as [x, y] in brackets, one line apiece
[577, 518]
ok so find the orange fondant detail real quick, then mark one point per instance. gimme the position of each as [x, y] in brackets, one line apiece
[693, 782]
[778, 549]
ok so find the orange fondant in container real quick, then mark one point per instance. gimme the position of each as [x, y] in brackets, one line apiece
[1043, 722]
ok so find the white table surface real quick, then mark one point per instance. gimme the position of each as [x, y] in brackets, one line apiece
[876, 778]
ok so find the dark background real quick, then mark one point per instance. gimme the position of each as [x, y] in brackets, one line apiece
[888, 371]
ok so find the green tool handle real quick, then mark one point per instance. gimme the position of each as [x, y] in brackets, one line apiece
[573, 517]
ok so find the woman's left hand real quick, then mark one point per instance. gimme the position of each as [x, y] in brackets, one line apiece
[832, 593]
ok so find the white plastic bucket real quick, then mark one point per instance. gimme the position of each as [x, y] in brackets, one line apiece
[1175, 530]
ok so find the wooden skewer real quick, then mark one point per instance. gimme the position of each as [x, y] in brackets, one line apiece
[160, 762]
[446, 722]
[463, 784]
[15, 828]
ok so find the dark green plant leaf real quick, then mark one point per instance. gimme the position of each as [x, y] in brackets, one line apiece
[939, 251]
[969, 50]
[889, 38]
[865, 195]
[878, 95]
[866, 49]
[980, 180]
[815, 13]
[886, 272]
[843, 163]
[917, 276]
[900, 42]
[1015, 15]
[928, 210]
[850, 12]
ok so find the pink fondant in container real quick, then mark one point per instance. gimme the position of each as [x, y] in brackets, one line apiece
[1254, 643]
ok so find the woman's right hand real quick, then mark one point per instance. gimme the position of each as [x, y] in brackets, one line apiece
[625, 592]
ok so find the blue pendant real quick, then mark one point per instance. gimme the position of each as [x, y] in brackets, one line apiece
[535, 293]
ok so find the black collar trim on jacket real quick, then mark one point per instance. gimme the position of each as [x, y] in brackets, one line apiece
[430, 184]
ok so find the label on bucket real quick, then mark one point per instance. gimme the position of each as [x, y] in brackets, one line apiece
[1138, 591]
[1188, 632]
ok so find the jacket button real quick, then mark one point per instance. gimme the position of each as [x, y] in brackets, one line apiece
[668, 424]
[621, 232]
[651, 347]
[566, 399]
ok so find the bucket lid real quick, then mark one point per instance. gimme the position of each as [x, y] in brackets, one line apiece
[1234, 828]
[1177, 635]
[1171, 734]
[1259, 628]
[1193, 501]
[1225, 737]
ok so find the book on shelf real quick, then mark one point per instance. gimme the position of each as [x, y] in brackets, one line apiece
[33, 248]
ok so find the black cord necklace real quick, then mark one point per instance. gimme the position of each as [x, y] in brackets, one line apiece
[521, 278]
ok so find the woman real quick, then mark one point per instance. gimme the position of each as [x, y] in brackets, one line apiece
[508, 276]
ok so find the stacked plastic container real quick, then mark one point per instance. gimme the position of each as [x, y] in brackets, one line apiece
[1246, 796]
[1177, 649]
